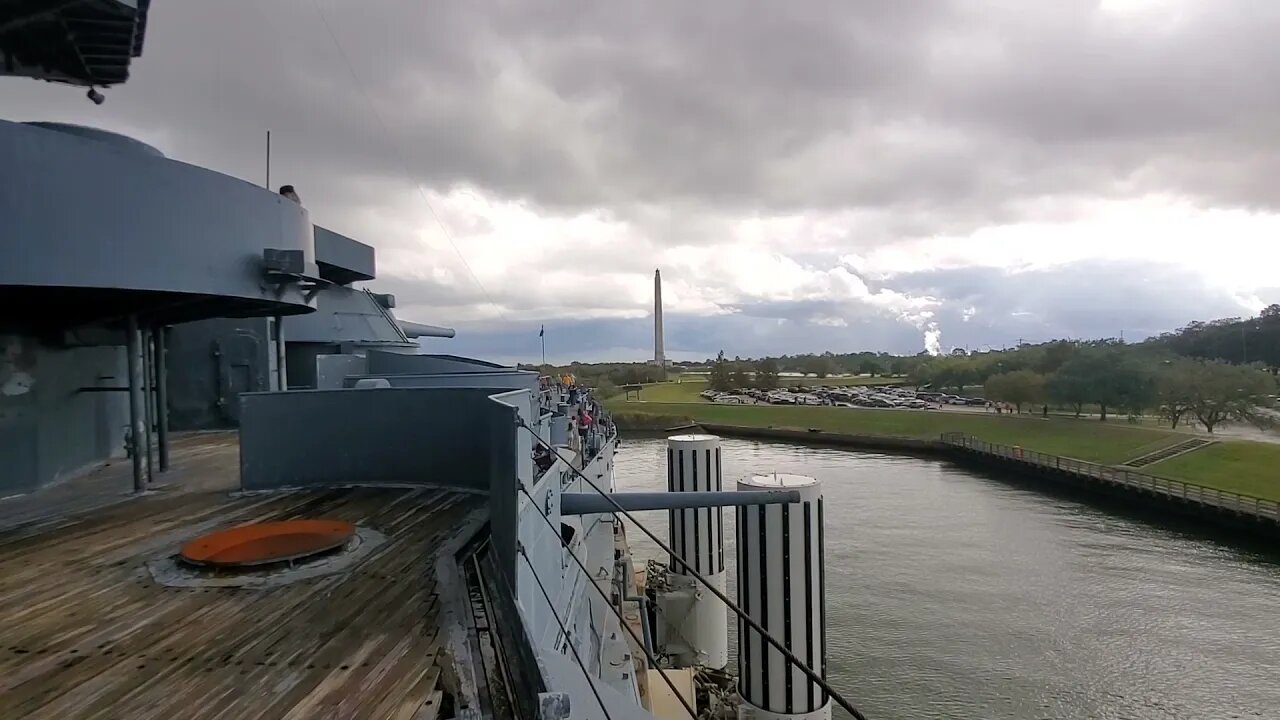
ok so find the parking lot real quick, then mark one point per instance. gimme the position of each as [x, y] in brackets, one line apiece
[846, 396]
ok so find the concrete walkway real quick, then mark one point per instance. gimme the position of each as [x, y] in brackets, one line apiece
[1172, 451]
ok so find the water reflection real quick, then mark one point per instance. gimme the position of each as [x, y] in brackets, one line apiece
[953, 595]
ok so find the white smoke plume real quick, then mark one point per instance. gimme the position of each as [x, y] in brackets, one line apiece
[932, 339]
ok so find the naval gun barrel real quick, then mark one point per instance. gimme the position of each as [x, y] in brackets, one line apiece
[417, 330]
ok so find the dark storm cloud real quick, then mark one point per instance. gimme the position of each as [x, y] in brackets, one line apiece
[1078, 300]
[537, 296]
[948, 110]
[868, 122]
[688, 337]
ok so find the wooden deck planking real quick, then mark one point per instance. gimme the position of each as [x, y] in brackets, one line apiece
[85, 632]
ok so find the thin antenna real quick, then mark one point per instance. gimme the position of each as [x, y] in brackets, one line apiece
[268, 160]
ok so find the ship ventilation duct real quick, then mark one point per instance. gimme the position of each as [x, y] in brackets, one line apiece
[694, 628]
[781, 582]
[560, 425]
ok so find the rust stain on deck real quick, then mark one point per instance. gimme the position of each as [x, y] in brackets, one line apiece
[87, 634]
[267, 542]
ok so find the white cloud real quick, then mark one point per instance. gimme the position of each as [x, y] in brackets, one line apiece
[790, 171]
[1235, 248]
[545, 265]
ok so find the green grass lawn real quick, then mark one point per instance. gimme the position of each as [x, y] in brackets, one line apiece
[1086, 440]
[1242, 466]
[1252, 468]
[674, 392]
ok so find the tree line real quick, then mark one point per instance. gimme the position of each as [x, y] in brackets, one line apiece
[1114, 378]
[738, 373]
[607, 378]
[1206, 372]
[823, 364]
[1234, 340]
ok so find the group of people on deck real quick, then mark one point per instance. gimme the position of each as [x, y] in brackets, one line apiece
[588, 423]
[592, 424]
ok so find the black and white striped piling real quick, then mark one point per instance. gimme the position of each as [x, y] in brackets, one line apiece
[695, 627]
[781, 584]
[696, 535]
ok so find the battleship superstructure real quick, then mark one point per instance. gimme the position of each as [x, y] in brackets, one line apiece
[487, 573]
[409, 446]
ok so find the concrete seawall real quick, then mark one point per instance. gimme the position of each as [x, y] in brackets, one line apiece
[1210, 506]
[1053, 473]
[645, 422]
[822, 437]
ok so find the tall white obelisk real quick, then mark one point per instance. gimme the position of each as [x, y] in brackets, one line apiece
[659, 355]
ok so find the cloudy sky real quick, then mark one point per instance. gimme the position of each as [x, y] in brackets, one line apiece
[825, 174]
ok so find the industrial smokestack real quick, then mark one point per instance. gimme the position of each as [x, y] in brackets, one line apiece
[659, 354]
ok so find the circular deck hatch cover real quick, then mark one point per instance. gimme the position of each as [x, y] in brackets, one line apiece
[265, 543]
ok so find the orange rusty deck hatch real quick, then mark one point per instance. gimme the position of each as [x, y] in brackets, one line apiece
[265, 543]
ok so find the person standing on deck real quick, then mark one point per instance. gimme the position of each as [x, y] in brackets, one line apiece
[584, 427]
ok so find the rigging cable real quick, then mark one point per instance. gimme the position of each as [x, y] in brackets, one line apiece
[689, 569]
[617, 613]
[386, 133]
[585, 673]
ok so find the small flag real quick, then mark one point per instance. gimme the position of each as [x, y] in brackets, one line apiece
[542, 331]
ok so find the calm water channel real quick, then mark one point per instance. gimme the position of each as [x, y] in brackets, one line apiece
[953, 595]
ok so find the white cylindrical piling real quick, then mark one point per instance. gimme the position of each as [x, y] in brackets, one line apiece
[695, 628]
[781, 584]
[696, 535]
